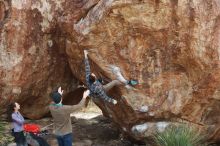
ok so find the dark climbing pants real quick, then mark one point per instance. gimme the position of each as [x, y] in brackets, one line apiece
[110, 85]
[20, 139]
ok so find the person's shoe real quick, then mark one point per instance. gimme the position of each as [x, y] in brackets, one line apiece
[132, 82]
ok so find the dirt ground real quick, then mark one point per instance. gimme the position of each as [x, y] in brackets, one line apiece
[90, 128]
[97, 131]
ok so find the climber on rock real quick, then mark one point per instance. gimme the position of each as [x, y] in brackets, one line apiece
[97, 90]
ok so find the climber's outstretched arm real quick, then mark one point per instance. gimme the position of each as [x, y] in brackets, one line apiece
[87, 67]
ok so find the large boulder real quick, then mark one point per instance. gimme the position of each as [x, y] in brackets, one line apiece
[33, 61]
[170, 46]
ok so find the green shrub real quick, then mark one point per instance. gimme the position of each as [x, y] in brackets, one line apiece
[180, 136]
[5, 136]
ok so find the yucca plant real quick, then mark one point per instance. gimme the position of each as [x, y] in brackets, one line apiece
[180, 136]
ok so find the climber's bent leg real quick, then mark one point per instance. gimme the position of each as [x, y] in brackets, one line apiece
[117, 72]
[110, 85]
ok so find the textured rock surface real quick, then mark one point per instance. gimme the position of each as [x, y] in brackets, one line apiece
[171, 46]
[32, 60]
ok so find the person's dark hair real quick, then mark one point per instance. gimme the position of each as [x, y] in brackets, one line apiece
[10, 110]
[92, 79]
[56, 97]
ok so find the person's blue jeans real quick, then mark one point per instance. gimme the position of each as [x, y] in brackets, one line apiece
[65, 140]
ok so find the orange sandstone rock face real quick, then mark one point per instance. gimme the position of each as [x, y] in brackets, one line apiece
[33, 61]
[170, 46]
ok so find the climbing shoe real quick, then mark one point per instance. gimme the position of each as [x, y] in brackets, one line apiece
[133, 82]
